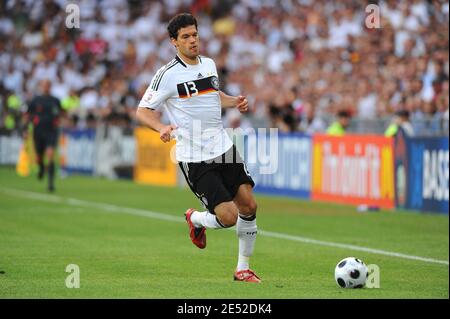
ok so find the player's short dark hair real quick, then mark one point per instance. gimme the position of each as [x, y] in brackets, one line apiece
[179, 21]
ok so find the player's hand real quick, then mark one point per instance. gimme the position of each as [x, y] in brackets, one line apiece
[165, 134]
[242, 104]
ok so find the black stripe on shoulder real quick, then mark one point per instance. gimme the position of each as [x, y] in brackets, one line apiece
[154, 79]
[161, 72]
[160, 78]
[180, 61]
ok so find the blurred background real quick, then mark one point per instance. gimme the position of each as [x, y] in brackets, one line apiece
[308, 68]
[299, 62]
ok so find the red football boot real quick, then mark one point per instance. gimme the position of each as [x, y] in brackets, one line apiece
[246, 275]
[197, 235]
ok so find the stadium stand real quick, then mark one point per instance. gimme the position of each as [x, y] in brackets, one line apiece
[298, 61]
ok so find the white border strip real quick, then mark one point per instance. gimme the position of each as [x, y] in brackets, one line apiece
[161, 216]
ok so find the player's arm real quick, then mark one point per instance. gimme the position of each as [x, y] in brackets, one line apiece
[227, 101]
[150, 118]
[146, 114]
[62, 114]
[26, 118]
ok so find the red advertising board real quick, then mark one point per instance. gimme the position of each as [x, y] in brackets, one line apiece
[353, 169]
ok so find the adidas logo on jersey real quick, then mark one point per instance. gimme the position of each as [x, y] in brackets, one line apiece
[199, 76]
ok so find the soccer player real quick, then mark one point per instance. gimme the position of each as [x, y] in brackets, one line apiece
[188, 89]
[44, 112]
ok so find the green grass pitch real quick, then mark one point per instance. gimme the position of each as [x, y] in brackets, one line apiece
[123, 252]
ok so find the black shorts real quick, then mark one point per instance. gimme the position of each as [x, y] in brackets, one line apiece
[43, 139]
[217, 180]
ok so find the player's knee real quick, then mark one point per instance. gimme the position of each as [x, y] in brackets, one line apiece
[229, 219]
[50, 152]
[252, 207]
[249, 208]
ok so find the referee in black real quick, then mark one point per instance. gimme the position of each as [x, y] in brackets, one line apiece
[44, 113]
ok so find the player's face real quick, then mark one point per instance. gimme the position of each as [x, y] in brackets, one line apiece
[45, 86]
[187, 42]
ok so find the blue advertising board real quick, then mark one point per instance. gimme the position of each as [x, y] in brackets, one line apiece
[280, 164]
[422, 173]
[77, 151]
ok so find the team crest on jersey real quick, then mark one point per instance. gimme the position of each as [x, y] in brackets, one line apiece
[215, 82]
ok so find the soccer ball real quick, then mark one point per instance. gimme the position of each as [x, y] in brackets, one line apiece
[351, 272]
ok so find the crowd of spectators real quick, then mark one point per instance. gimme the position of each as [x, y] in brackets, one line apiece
[299, 62]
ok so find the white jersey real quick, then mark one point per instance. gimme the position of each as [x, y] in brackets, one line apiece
[190, 96]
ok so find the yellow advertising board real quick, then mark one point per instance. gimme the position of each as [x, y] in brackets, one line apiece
[153, 163]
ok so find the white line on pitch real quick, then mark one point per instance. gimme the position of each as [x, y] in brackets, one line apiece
[150, 214]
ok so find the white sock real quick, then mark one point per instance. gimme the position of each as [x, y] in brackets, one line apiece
[205, 219]
[246, 231]
[243, 263]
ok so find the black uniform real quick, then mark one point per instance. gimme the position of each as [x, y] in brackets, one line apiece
[217, 180]
[44, 112]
